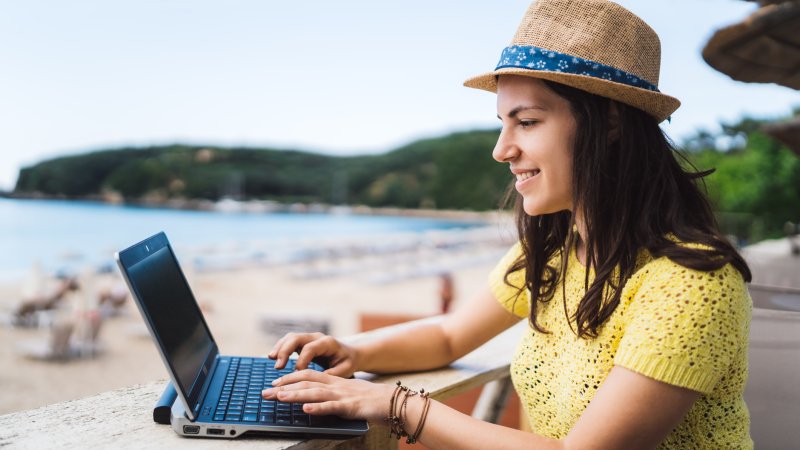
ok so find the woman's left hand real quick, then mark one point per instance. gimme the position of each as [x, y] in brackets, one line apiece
[325, 394]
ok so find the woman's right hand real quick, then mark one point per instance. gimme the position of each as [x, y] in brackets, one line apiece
[340, 358]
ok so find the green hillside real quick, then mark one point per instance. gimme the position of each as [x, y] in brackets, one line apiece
[454, 171]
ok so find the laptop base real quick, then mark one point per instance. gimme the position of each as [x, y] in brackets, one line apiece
[232, 430]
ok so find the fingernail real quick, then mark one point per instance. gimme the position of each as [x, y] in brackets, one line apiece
[276, 381]
[266, 392]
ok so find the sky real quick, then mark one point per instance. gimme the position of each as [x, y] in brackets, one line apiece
[343, 77]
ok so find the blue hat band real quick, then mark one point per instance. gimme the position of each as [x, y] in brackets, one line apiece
[535, 58]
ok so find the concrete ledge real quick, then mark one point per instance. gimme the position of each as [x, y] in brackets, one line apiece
[123, 418]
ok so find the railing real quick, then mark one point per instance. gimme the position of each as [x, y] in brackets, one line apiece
[123, 418]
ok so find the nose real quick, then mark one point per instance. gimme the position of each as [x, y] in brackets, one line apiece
[505, 150]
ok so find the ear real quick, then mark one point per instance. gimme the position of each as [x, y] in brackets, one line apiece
[613, 122]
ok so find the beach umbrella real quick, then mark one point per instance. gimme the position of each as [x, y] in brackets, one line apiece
[763, 48]
[787, 133]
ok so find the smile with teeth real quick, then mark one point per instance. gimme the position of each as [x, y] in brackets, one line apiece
[526, 175]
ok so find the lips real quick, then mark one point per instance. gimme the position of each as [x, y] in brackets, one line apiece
[522, 176]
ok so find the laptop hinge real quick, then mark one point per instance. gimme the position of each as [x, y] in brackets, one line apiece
[209, 378]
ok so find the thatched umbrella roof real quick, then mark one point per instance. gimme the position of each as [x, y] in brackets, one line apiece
[786, 132]
[764, 48]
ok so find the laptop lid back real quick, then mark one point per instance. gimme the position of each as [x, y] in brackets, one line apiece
[172, 315]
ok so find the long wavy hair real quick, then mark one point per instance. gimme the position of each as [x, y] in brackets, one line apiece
[633, 194]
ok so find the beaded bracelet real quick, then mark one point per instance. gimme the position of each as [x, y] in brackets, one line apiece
[395, 421]
[398, 412]
[425, 396]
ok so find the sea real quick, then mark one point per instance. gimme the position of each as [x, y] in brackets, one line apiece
[60, 236]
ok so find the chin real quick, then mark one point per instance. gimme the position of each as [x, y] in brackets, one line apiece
[534, 208]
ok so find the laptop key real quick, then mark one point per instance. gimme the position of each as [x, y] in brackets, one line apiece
[268, 418]
[283, 421]
[300, 420]
[232, 416]
[250, 417]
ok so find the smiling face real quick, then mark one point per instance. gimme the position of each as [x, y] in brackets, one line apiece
[536, 141]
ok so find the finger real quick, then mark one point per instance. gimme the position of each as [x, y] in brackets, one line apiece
[292, 342]
[303, 375]
[323, 346]
[324, 408]
[274, 392]
[343, 370]
[311, 395]
[274, 352]
[279, 346]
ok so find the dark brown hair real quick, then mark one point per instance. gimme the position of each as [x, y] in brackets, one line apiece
[633, 194]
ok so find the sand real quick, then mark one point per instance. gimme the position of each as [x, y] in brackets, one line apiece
[236, 304]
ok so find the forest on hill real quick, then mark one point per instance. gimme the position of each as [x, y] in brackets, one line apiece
[755, 188]
[450, 172]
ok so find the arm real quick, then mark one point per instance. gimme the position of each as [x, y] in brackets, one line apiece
[419, 348]
[621, 415]
[436, 345]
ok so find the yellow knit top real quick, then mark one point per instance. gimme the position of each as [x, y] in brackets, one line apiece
[677, 325]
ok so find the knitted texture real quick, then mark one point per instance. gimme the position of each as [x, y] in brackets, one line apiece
[680, 326]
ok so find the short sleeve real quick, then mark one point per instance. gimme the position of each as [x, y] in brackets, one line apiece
[512, 298]
[685, 327]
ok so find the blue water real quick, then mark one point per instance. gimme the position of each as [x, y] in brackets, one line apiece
[70, 235]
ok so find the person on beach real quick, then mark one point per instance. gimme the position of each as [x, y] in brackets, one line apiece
[637, 307]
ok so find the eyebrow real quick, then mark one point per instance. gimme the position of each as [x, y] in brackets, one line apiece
[513, 113]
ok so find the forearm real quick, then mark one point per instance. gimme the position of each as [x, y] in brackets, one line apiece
[418, 348]
[431, 346]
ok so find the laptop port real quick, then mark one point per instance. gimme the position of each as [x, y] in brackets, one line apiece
[215, 431]
[191, 429]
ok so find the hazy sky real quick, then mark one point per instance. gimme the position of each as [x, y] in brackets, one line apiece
[338, 77]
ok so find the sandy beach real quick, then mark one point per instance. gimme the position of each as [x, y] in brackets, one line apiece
[240, 301]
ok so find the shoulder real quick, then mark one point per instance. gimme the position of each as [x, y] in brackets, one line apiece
[508, 287]
[666, 269]
[684, 326]
[668, 285]
[501, 276]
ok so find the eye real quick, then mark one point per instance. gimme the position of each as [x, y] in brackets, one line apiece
[527, 123]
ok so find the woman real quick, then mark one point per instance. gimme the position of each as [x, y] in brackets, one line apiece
[637, 307]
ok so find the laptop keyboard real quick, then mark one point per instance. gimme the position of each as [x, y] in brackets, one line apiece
[240, 399]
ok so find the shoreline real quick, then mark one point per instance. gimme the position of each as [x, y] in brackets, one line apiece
[228, 205]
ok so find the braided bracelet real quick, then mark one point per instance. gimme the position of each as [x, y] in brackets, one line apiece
[398, 413]
[412, 439]
[395, 421]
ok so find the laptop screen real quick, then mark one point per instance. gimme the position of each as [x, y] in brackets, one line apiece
[169, 306]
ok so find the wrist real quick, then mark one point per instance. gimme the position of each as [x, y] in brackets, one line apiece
[408, 411]
[357, 356]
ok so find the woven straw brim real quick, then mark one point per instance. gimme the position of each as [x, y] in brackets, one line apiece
[658, 105]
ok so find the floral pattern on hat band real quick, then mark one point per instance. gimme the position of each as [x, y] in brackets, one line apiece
[535, 58]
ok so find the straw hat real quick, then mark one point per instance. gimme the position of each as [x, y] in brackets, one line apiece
[593, 45]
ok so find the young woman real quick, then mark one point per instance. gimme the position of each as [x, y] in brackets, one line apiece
[637, 306]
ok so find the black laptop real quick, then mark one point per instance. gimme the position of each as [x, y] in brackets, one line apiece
[219, 396]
